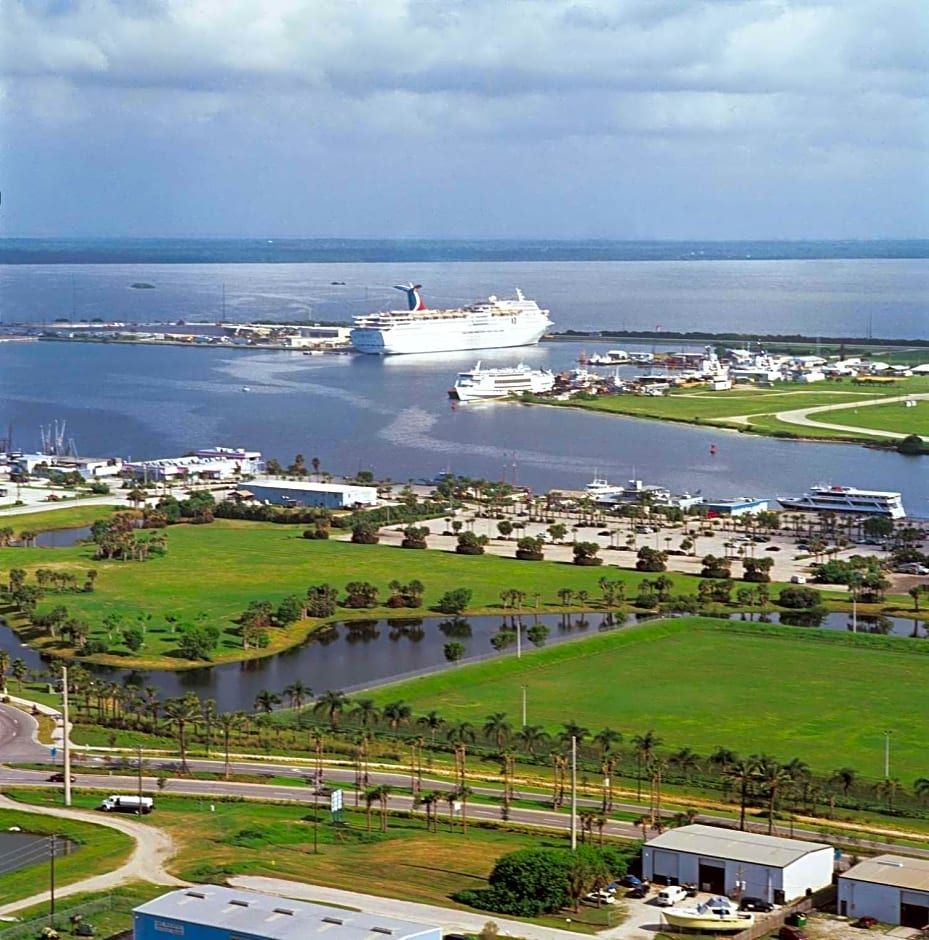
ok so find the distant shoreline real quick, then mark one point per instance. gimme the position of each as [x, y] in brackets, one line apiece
[55, 251]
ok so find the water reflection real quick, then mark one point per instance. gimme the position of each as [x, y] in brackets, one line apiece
[355, 654]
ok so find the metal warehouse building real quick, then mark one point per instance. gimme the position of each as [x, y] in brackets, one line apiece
[734, 863]
[210, 912]
[892, 888]
[324, 495]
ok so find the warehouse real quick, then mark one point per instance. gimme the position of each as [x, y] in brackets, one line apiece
[892, 888]
[730, 862]
[323, 495]
[210, 912]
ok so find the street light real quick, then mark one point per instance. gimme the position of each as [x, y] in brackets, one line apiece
[887, 735]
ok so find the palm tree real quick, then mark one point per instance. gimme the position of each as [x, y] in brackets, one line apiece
[773, 777]
[742, 772]
[459, 736]
[463, 794]
[228, 722]
[606, 739]
[845, 778]
[371, 796]
[297, 693]
[497, 729]
[383, 793]
[644, 745]
[532, 737]
[4, 667]
[644, 822]
[686, 762]
[182, 711]
[208, 716]
[396, 714]
[266, 701]
[573, 730]
[921, 787]
[333, 704]
[431, 720]
[365, 712]
[888, 788]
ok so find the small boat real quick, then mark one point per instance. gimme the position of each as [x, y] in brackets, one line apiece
[716, 915]
[246, 388]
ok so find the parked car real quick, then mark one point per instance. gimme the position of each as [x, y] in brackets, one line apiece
[866, 922]
[600, 897]
[630, 881]
[668, 897]
[641, 890]
[755, 904]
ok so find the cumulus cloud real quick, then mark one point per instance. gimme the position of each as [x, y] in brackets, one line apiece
[351, 80]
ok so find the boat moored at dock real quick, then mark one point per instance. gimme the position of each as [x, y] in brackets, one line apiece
[487, 324]
[847, 499]
[486, 384]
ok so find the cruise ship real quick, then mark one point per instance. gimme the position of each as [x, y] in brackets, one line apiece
[847, 499]
[487, 324]
[485, 384]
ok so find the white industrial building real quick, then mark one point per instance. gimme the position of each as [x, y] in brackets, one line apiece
[211, 463]
[308, 493]
[892, 888]
[211, 912]
[731, 862]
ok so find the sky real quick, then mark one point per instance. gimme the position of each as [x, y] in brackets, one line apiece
[561, 119]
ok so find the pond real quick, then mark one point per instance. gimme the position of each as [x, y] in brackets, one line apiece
[22, 849]
[62, 538]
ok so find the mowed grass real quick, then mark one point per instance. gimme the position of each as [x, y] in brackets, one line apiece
[69, 517]
[894, 416]
[277, 840]
[762, 404]
[212, 572]
[705, 684]
[98, 849]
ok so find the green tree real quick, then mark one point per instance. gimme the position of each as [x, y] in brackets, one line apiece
[266, 701]
[182, 712]
[454, 601]
[229, 722]
[644, 746]
[297, 694]
[497, 729]
[332, 704]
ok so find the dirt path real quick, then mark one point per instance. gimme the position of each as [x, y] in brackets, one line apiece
[153, 848]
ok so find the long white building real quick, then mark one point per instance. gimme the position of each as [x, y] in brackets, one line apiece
[733, 863]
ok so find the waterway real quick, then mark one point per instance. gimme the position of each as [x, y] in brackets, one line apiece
[352, 656]
[22, 849]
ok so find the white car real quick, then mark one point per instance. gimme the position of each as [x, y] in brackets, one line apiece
[600, 897]
[668, 897]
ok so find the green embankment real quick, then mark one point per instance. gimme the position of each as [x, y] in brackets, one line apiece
[824, 697]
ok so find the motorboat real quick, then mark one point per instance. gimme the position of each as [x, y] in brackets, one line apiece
[717, 915]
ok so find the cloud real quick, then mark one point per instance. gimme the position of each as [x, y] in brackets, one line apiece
[377, 84]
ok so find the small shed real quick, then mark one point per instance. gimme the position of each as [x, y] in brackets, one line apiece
[731, 862]
[892, 888]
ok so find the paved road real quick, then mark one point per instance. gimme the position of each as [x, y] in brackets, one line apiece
[18, 732]
[801, 415]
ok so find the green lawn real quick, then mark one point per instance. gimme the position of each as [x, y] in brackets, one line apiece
[890, 417]
[700, 406]
[825, 698]
[67, 517]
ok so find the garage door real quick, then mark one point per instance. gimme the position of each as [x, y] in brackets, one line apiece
[712, 878]
[914, 910]
[666, 867]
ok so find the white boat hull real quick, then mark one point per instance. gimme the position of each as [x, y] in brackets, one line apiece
[715, 924]
[406, 339]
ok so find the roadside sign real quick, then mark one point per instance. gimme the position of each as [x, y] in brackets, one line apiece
[54, 751]
[335, 801]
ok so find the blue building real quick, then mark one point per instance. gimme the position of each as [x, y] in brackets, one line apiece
[211, 912]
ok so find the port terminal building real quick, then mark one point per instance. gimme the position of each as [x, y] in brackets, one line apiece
[308, 493]
[211, 463]
[211, 912]
[892, 888]
[735, 863]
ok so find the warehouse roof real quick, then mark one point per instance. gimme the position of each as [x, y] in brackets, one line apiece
[735, 845]
[895, 870]
[309, 486]
[249, 913]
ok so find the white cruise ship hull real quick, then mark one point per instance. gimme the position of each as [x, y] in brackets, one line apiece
[847, 500]
[446, 337]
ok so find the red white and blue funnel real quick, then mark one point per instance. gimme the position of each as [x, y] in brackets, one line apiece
[412, 295]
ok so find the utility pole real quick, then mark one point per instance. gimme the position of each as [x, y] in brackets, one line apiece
[51, 878]
[139, 756]
[524, 707]
[887, 735]
[66, 735]
[573, 793]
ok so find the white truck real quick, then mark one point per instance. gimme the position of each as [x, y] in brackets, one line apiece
[128, 804]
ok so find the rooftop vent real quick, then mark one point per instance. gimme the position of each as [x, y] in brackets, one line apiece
[196, 894]
[285, 910]
[385, 930]
[238, 902]
[333, 920]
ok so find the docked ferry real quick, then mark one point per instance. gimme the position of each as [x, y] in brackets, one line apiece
[847, 499]
[486, 324]
[485, 384]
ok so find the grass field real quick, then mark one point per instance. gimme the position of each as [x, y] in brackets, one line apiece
[99, 849]
[66, 517]
[705, 684]
[278, 841]
[214, 571]
[890, 417]
[697, 406]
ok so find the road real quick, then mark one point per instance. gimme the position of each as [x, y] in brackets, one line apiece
[801, 416]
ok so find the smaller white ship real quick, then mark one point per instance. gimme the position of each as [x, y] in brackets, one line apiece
[635, 491]
[486, 384]
[716, 915]
[847, 499]
[612, 357]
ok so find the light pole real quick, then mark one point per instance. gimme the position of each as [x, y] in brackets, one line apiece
[524, 707]
[887, 735]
